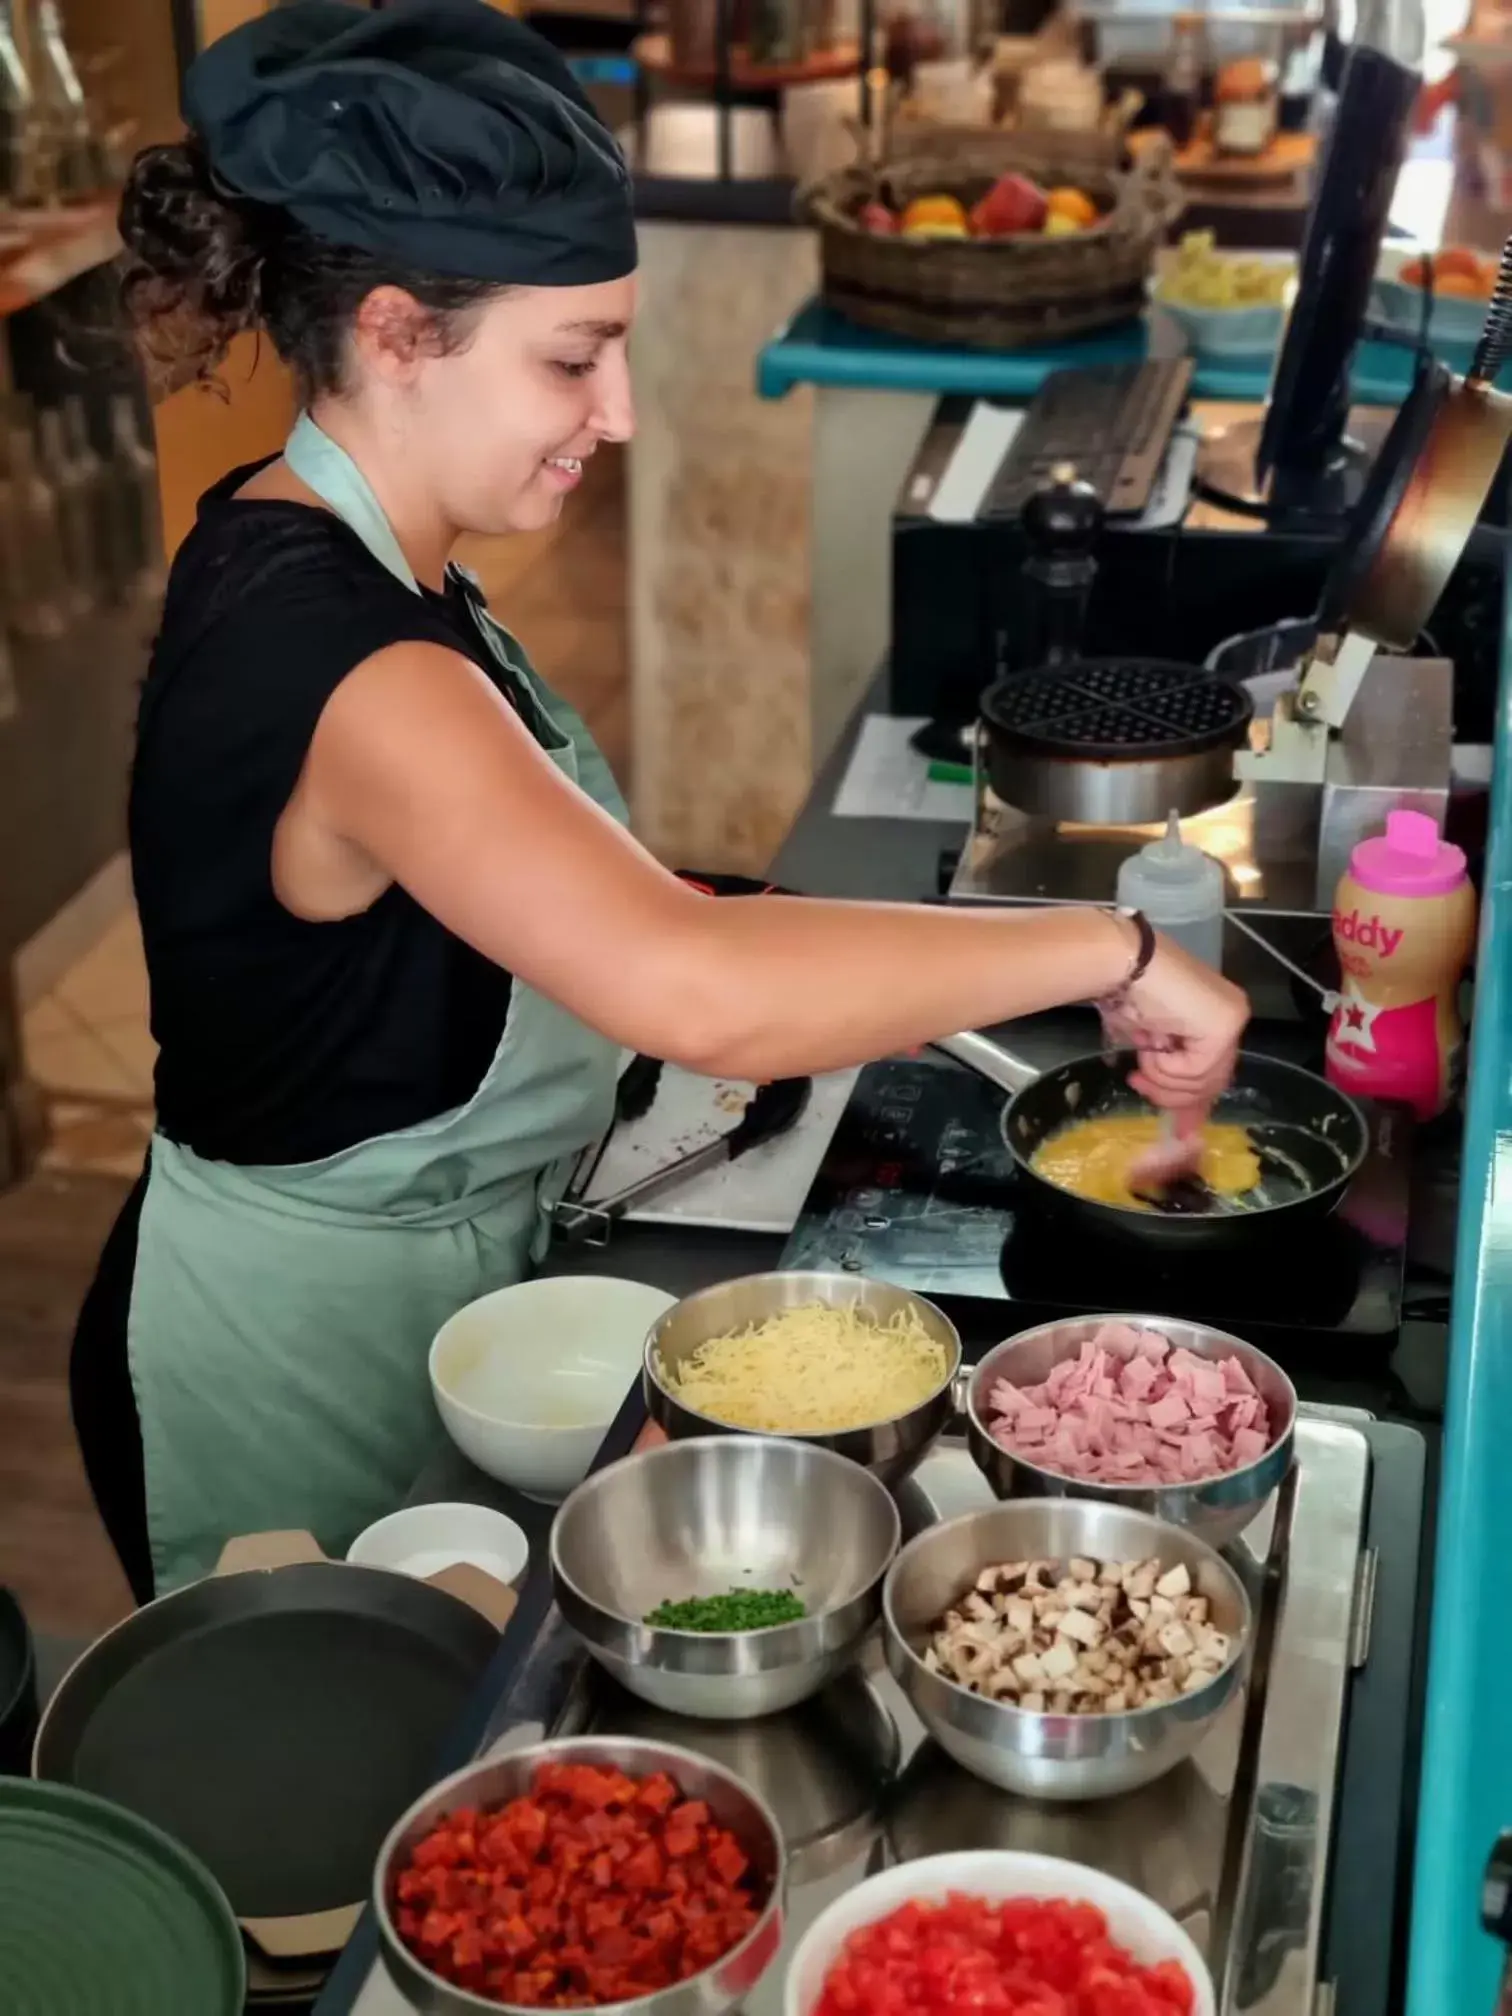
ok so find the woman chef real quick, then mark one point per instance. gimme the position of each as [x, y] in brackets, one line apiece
[397, 933]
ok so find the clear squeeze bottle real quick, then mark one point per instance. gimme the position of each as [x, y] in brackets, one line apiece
[1180, 889]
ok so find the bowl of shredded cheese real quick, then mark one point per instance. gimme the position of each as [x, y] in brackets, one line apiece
[857, 1366]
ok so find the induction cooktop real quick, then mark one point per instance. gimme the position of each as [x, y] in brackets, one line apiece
[917, 1188]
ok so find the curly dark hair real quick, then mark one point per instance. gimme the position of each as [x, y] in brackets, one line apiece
[202, 265]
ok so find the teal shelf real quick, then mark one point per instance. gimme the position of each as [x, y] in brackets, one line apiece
[819, 347]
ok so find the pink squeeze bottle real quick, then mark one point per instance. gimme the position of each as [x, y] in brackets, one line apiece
[1403, 925]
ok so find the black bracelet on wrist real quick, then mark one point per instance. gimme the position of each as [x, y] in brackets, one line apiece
[1118, 1000]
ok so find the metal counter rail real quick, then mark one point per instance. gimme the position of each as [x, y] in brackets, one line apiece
[1466, 1795]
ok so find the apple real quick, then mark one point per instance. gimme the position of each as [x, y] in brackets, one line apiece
[877, 217]
[1011, 205]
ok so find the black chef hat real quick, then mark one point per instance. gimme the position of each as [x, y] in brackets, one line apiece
[438, 133]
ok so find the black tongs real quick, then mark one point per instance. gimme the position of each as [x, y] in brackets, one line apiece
[773, 1110]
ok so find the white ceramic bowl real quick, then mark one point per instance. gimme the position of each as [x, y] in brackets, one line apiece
[1138, 1925]
[422, 1540]
[528, 1379]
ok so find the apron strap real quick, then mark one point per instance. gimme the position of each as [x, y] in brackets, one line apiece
[327, 469]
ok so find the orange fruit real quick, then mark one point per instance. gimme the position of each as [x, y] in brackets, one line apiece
[1460, 287]
[1458, 261]
[942, 214]
[1074, 204]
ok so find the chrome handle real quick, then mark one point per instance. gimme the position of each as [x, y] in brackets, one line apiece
[988, 1059]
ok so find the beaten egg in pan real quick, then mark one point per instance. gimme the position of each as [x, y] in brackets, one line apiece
[1093, 1158]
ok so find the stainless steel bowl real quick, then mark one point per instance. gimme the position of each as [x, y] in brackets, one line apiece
[703, 1517]
[888, 1448]
[1053, 1756]
[722, 1988]
[1218, 1509]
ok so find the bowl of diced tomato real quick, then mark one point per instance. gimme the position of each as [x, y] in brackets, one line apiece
[1000, 1933]
[593, 1873]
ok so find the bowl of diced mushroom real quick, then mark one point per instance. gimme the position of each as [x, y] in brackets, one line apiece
[1065, 1649]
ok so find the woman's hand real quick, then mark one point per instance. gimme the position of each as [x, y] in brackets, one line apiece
[1184, 1021]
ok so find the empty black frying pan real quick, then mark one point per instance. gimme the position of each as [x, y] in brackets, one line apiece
[18, 1687]
[276, 1722]
[1310, 1137]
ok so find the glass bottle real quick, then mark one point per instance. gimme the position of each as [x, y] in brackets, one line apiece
[778, 31]
[112, 573]
[63, 106]
[12, 595]
[1181, 94]
[75, 527]
[138, 512]
[20, 162]
[41, 587]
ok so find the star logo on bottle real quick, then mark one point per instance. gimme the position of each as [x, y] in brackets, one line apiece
[1355, 1022]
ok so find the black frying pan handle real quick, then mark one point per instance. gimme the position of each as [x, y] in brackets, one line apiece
[989, 1059]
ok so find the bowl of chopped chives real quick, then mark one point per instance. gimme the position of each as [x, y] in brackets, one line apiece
[725, 1577]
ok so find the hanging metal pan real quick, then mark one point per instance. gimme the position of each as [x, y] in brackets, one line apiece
[275, 1718]
[1311, 1138]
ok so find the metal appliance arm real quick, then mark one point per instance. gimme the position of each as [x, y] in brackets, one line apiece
[1419, 512]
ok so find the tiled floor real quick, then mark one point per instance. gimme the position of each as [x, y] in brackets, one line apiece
[88, 1047]
[563, 593]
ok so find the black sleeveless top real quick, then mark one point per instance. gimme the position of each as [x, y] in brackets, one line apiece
[281, 1040]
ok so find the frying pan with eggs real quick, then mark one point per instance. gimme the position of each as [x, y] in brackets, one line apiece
[1309, 1138]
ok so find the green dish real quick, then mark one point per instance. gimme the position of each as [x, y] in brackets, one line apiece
[102, 1914]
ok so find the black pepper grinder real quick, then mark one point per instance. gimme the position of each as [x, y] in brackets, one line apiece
[1496, 1911]
[1062, 524]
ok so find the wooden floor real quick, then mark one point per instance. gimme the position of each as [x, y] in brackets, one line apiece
[562, 592]
[53, 1553]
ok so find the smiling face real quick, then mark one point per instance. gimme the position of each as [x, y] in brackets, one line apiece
[498, 421]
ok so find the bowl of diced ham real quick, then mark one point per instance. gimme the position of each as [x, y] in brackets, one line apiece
[1161, 1416]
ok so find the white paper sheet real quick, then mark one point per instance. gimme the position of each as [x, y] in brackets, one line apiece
[888, 779]
[1173, 484]
[761, 1192]
[977, 458]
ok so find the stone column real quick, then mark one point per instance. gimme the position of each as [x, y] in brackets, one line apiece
[718, 549]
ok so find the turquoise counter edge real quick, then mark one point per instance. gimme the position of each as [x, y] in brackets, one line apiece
[818, 347]
[1466, 1794]
[1466, 1789]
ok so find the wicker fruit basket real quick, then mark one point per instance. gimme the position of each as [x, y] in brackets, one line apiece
[990, 293]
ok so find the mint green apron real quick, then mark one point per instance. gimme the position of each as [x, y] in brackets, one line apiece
[281, 1317]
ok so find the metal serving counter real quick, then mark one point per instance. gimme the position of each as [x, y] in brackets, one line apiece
[1235, 1843]
[1312, 1769]
[1305, 1902]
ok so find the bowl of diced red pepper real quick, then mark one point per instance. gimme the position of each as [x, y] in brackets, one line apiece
[1000, 1933]
[593, 1873]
